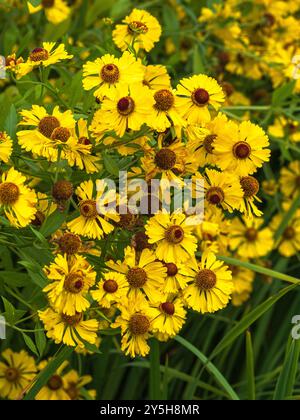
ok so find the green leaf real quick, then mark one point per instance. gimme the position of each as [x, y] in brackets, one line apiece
[250, 367]
[282, 93]
[110, 164]
[210, 367]
[198, 66]
[30, 344]
[63, 354]
[10, 124]
[14, 279]
[288, 374]
[249, 319]
[154, 383]
[52, 223]
[40, 339]
[10, 311]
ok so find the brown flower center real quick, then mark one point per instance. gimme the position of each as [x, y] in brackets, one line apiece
[71, 320]
[168, 308]
[140, 241]
[110, 73]
[174, 234]
[208, 143]
[228, 88]
[69, 243]
[61, 133]
[139, 324]
[11, 374]
[88, 208]
[55, 383]
[110, 286]
[9, 193]
[251, 234]
[215, 195]
[200, 97]
[165, 158]
[84, 140]
[47, 3]
[172, 269]
[250, 186]
[241, 150]
[136, 277]
[126, 106]
[39, 54]
[47, 125]
[164, 100]
[62, 190]
[39, 218]
[289, 233]
[206, 279]
[137, 27]
[74, 283]
[73, 391]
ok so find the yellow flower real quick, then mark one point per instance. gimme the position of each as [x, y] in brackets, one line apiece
[90, 223]
[6, 147]
[44, 56]
[17, 200]
[111, 289]
[69, 282]
[56, 11]
[54, 390]
[108, 73]
[243, 284]
[17, 371]
[144, 274]
[250, 187]
[211, 284]
[173, 236]
[283, 128]
[223, 189]
[168, 317]
[242, 149]
[44, 208]
[130, 109]
[140, 30]
[70, 330]
[74, 384]
[196, 94]
[135, 323]
[289, 243]
[248, 239]
[176, 279]
[47, 131]
[156, 77]
[290, 180]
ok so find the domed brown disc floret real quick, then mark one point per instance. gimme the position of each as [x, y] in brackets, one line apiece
[139, 324]
[9, 193]
[136, 277]
[140, 241]
[73, 391]
[208, 143]
[289, 233]
[84, 140]
[47, 125]
[61, 133]
[174, 234]
[39, 218]
[74, 283]
[168, 308]
[136, 26]
[55, 383]
[172, 269]
[71, 320]
[39, 54]
[165, 159]
[110, 73]
[110, 286]
[164, 100]
[48, 3]
[250, 186]
[206, 279]
[88, 208]
[126, 106]
[215, 195]
[200, 97]
[11, 374]
[69, 243]
[241, 150]
[251, 234]
[62, 190]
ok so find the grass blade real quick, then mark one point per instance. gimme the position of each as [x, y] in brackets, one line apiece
[154, 385]
[250, 367]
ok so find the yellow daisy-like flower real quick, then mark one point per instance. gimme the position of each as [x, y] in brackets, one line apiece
[156, 77]
[108, 72]
[74, 384]
[176, 279]
[111, 289]
[250, 187]
[17, 371]
[17, 200]
[140, 29]
[248, 239]
[44, 56]
[173, 236]
[46, 132]
[168, 317]
[70, 330]
[289, 244]
[6, 147]
[242, 149]
[54, 389]
[290, 180]
[222, 189]
[144, 274]
[211, 284]
[243, 284]
[56, 11]
[135, 323]
[130, 109]
[70, 280]
[91, 223]
[196, 94]
[44, 207]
